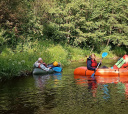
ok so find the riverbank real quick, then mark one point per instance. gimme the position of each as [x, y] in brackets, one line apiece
[19, 62]
[54, 30]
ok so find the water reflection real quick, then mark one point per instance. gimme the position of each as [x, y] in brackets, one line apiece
[42, 80]
[126, 90]
[18, 96]
[64, 94]
[92, 85]
[57, 77]
[104, 83]
[106, 92]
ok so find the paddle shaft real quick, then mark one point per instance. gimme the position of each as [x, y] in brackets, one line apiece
[99, 63]
[97, 67]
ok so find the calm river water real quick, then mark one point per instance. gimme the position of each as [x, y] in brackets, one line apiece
[64, 93]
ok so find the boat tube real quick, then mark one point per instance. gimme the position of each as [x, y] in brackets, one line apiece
[83, 71]
[38, 71]
[119, 69]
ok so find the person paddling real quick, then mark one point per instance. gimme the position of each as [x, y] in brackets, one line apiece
[40, 64]
[92, 63]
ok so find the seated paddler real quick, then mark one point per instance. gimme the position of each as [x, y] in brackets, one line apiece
[40, 64]
[92, 63]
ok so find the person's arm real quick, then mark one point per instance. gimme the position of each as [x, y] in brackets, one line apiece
[36, 64]
[44, 68]
[89, 65]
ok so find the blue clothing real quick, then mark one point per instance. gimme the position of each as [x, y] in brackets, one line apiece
[89, 62]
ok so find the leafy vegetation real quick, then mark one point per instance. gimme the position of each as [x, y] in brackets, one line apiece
[20, 61]
[60, 30]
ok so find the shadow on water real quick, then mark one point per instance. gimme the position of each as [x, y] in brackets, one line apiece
[64, 93]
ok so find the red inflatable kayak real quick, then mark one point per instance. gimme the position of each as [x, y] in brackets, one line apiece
[83, 71]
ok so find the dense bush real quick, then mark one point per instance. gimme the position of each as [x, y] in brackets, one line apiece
[76, 53]
[119, 51]
[20, 61]
[56, 53]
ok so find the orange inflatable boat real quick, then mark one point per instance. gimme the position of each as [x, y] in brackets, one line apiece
[119, 69]
[83, 71]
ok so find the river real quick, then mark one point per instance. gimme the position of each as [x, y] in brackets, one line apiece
[64, 93]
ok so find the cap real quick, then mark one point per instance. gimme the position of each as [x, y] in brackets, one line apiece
[39, 59]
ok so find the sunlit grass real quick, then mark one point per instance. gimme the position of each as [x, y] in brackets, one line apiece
[20, 61]
[109, 51]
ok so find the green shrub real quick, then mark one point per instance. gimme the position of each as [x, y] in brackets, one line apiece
[76, 53]
[55, 53]
[119, 51]
[20, 60]
[108, 50]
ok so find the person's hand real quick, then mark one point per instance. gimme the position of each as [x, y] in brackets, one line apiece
[50, 67]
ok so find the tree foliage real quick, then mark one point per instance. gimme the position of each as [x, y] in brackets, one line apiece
[75, 22]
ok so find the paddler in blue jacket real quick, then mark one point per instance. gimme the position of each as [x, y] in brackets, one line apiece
[92, 63]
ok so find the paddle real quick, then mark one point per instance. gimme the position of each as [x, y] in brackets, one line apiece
[57, 69]
[104, 54]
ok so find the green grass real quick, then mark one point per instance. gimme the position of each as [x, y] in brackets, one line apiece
[76, 53]
[108, 50]
[19, 61]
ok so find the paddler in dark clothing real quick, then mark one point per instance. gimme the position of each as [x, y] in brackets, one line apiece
[92, 63]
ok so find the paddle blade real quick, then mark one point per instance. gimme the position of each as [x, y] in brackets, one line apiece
[104, 54]
[57, 69]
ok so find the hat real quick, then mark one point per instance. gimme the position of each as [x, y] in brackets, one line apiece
[39, 59]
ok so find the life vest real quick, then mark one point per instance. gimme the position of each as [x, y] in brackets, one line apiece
[94, 63]
[122, 63]
[39, 66]
[45, 64]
